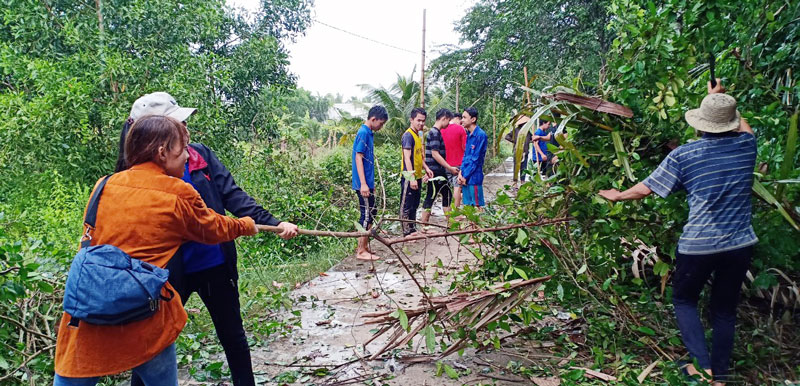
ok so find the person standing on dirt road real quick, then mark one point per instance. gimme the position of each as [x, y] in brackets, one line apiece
[413, 169]
[363, 172]
[471, 174]
[209, 269]
[435, 159]
[455, 143]
[718, 239]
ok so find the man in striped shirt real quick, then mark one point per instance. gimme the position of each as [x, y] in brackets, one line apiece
[436, 159]
[717, 173]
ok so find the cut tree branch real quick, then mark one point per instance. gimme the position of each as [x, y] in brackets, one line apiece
[374, 231]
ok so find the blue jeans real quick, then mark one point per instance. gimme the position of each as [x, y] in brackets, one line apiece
[691, 274]
[159, 371]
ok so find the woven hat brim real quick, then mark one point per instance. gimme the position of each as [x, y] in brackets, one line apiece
[699, 122]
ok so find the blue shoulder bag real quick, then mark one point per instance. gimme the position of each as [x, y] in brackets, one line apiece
[105, 286]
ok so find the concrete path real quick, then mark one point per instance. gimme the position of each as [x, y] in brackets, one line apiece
[332, 328]
[328, 347]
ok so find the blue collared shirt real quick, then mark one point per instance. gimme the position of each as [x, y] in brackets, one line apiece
[474, 155]
[364, 144]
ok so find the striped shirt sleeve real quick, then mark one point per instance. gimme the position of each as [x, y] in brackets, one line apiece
[666, 178]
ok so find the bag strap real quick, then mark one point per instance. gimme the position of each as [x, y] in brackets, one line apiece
[91, 212]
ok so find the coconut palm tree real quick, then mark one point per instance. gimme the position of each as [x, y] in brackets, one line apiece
[401, 98]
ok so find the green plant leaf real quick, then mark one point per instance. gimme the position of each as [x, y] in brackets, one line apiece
[522, 237]
[451, 372]
[401, 317]
[430, 338]
[765, 195]
[788, 155]
[622, 155]
[646, 330]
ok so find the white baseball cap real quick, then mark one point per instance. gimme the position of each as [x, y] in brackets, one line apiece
[160, 103]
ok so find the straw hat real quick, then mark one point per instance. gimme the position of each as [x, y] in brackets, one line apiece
[717, 114]
[523, 119]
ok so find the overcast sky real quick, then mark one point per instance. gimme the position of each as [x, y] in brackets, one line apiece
[327, 60]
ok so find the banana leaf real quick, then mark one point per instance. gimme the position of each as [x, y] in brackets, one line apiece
[765, 195]
[622, 155]
[788, 156]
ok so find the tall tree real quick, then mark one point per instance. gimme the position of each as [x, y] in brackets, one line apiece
[553, 39]
[402, 97]
[70, 71]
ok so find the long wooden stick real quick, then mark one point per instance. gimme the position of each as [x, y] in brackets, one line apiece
[311, 232]
[374, 231]
[479, 230]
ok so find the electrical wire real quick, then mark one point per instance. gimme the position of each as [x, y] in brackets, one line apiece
[366, 38]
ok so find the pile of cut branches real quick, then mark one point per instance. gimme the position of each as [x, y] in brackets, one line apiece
[461, 314]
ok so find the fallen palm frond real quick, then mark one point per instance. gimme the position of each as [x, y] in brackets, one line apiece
[595, 104]
[471, 311]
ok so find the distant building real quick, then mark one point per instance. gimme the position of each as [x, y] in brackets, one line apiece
[353, 109]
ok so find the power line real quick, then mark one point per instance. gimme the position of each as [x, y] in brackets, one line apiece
[366, 38]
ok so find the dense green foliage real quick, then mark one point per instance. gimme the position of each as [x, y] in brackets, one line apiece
[612, 264]
[69, 73]
[555, 40]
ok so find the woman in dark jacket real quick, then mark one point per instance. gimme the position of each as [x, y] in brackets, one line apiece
[210, 270]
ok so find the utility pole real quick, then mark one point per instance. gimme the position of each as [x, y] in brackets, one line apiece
[457, 82]
[527, 93]
[422, 73]
[494, 126]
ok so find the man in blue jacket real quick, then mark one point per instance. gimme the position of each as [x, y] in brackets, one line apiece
[471, 175]
[210, 270]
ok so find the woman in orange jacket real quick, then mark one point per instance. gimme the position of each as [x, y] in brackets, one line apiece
[147, 211]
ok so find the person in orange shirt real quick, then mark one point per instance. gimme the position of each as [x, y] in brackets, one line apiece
[211, 271]
[148, 212]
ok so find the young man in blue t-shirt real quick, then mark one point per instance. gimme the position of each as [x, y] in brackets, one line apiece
[717, 173]
[363, 168]
[541, 154]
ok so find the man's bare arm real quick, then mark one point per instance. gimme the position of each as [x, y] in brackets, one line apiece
[361, 175]
[637, 192]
